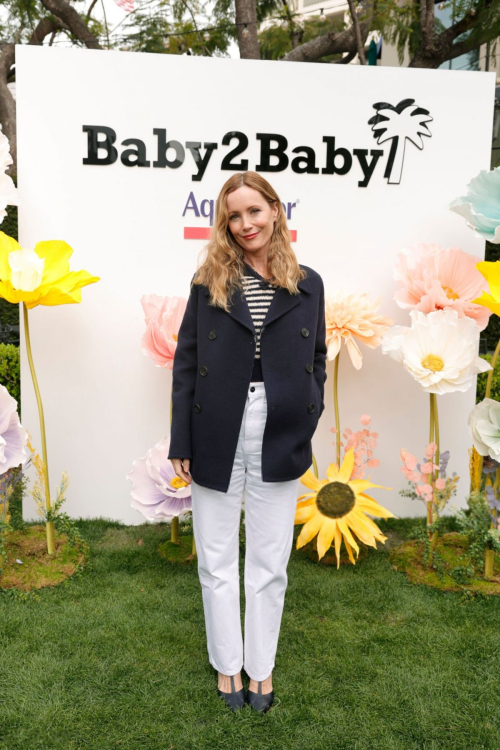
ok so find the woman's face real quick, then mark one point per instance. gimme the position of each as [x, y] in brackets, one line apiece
[251, 219]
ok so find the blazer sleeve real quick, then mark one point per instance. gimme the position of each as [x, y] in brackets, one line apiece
[320, 350]
[184, 374]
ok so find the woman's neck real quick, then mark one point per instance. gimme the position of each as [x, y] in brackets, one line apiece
[260, 268]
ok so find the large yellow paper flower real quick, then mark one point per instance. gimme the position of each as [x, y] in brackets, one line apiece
[491, 272]
[337, 507]
[40, 276]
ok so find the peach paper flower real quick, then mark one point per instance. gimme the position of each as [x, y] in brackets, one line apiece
[433, 278]
[352, 317]
[163, 319]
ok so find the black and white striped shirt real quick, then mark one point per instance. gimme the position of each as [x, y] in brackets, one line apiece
[259, 295]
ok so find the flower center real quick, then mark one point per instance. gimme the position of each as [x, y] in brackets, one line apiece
[335, 499]
[177, 483]
[450, 293]
[433, 362]
[174, 336]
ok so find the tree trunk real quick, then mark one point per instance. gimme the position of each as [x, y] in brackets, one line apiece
[245, 13]
[8, 104]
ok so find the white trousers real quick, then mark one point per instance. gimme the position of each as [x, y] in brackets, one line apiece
[269, 515]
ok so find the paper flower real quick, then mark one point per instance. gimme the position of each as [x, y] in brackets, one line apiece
[481, 206]
[352, 318]
[362, 442]
[490, 270]
[157, 492]
[419, 474]
[13, 436]
[484, 427]
[336, 508]
[40, 276]
[433, 278]
[163, 319]
[9, 195]
[439, 350]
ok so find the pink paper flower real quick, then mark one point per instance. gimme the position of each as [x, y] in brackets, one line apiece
[409, 461]
[363, 442]
[427, 467]
[433, 278]
[420, 475]
[163, 319]
[430, 450]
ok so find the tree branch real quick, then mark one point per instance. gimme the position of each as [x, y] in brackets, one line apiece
[72, 19]
[346, 59]
[359, 42]
[46, 26]
[441, 48]
[334, 42]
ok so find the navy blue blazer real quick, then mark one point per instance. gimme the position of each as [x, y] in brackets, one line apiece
[212, 372]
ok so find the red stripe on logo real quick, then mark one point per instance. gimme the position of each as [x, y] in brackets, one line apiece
[203, 233]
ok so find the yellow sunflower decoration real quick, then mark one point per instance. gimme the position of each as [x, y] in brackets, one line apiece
[336, 509]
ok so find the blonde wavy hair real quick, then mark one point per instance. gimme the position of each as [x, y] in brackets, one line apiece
[223, 266]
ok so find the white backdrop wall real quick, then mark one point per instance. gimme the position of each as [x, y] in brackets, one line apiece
[105, 402]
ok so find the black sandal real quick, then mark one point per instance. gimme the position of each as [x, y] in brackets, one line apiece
[258, 701]
[235, 699]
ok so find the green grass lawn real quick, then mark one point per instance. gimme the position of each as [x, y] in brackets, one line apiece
[116, 658]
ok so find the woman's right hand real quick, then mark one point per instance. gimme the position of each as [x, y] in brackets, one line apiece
[181, 467]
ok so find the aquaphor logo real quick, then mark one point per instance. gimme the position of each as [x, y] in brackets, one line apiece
[396, 123]
[404, 121]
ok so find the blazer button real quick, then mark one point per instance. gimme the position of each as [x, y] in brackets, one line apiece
[212, 335]
[309, 368]
[305, 332]
[197, 408]
[311, 408]
[203, 370]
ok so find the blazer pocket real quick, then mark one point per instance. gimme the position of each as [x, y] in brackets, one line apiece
[319, 401]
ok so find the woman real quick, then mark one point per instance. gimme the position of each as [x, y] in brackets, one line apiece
[248, 385]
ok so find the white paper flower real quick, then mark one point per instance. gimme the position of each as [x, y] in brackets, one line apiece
[157, 492]
[13, 436]
[439, 350]
[484, 426]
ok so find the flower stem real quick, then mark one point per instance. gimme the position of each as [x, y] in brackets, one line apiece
[174, 526]
[49, 525]
[315, 466]
[435, 417]
[431, 440]
[489, 381]
[336, 404]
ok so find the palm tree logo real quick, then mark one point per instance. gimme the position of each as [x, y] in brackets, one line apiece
[405, 120]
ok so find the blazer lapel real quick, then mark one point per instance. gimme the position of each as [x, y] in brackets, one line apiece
[281, 303]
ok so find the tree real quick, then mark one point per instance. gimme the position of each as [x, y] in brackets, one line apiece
[29, 24]
[412, 25]
[199, 28]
